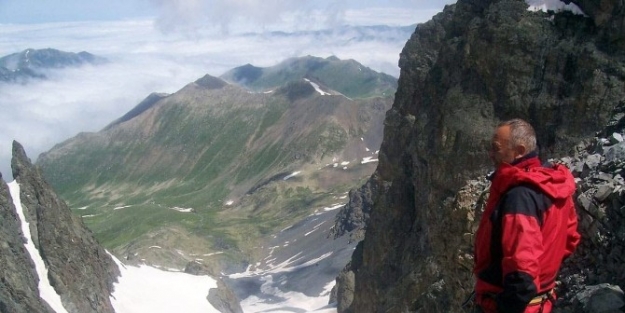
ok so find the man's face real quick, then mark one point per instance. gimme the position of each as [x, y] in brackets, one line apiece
[500, 149]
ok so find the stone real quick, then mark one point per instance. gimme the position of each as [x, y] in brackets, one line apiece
[601, 298]
[616, 138]
[224, 299]
[605, 177]
[615, 153]
[593, 161]
[604, 192]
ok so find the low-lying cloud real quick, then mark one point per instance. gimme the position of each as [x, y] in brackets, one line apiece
[144, 60]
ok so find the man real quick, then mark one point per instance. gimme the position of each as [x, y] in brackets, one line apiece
[528, 228]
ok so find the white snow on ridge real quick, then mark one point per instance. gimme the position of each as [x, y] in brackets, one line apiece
[334, 207]
[317, 88]
[121, 207]
[368, 160]
[553, 5]
[291, 175]
[182, 210]
[147, 289]
[46, 291]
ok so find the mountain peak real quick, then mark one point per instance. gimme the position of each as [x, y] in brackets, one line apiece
[211, 82]
[18, 67]
[345, 76]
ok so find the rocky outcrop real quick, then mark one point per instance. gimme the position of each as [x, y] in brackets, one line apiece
[609, 18]
[353, 218]
[222, 298]
[18, 287]
[473, 65]
[80, 271]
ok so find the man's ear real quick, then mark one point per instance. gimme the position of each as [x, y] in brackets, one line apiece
[520, 150]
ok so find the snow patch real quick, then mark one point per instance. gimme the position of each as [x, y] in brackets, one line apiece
[121, 207]
[182, 210]
[291, 175]
[46, 291]
[214, 253]
[368, 160]
[317, 88]
[334, 207]
[82, 208]
[229, 202]
[155, 247]
[292, 301]
[147, 289]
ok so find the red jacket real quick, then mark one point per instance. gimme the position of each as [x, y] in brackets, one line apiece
[528, 228]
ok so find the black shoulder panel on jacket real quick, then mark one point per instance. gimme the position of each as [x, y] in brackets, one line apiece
[526, 200]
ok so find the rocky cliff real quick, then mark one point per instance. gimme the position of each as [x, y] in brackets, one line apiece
[18, 287]
[473, 65]
[80, 271]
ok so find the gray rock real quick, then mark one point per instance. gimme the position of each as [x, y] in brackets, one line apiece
[605, 177]
[224, 299]
[602, 298]
[593, 161]
[616, 138]
[79, 269]
[19, 290]
[604, 192]
[615, 153]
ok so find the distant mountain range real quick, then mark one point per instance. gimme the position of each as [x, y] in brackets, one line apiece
[31, 63]
[218, 166]
[349, 78]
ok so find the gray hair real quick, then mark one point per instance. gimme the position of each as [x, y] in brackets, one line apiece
[521, 133]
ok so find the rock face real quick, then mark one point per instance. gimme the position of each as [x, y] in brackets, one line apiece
[354, 216]
[80, 271]
[473, 65]
[18, 287]
[224, 299]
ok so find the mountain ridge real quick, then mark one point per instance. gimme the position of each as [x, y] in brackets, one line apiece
[31, 63]
[349, 77]
[212, 155]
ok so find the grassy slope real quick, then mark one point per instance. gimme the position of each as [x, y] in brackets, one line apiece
[197, 149]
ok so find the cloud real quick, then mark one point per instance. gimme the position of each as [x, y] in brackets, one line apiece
[191, 14]
[144, 60]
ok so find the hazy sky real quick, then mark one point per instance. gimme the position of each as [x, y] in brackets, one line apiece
[162, 45]
[37, 11]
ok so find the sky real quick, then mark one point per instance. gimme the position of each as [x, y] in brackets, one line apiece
[162, 45]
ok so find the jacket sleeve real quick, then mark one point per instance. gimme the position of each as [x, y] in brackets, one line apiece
[521, 248]
[573, 237]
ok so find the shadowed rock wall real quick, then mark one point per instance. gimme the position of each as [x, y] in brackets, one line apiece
[80, 271]
[471, 66]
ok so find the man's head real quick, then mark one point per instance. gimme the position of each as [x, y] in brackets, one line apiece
[512, 140]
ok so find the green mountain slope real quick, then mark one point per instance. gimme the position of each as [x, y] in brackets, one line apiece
[350, 78]
[210, 168]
